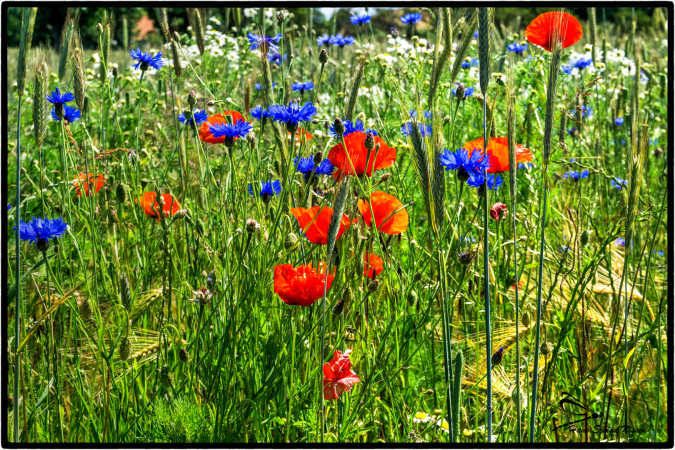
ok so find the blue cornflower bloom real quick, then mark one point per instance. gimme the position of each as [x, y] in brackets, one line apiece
[477, 179]
[265, 43]
[618, 121]
[572, 131]
[276, 58]
[411, 18]
[567, 70]
[260, 113]
[582, 63]
[146, 60]
[292, 114]
[196, 117]
[467, 240]
[464, 164]
[573, 160]
[306, 167]
[518, 49]
[351, 127]
[469, 62]
[360, 19]
[323, 40]
[309, 85]
[620, 242]
[425, 130]
[586, 111]
[41, 230]
[576, 176]
[525, 166]
[70, 113]
[341, 40]
[325, 167]
[231, 131]
[267, 189]
[475, 34]
[618, 183]
[9, 206]
[659, 252]
[57, 98]
[468, 92]
[258, 86]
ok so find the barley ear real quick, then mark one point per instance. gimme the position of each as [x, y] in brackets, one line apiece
[40, 103]
[27, 25]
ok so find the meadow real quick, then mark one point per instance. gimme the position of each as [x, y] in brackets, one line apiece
[268, 230]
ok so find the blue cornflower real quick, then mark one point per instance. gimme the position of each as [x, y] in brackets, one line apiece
[467, 240]
[340, 40]
[265, 43]
[567, 70]
[576, 176]
[582, 63]
[573, 160]
[411, 18]
[146, 60]
[57, 98]
[572, 131]
[196, 117]
[260, 113]
[351, 127]
[276, 58]
[469, 62]
[70, 113]
[258, 86]
[360, 19]
[518, 49]
[525, 166]
[477, 179]
[231, 131]
[323, 40]
[306, 167]
[659, 252]
[325, 167]
[41, 230]
[9, 206]
[309, 85]
[292, 114]
[464, 164]
[475, 34]
[407, 129]
[467, 92]
[586, 111]
[618, 121]
[267, 189]
[618, 183]
[620, 242]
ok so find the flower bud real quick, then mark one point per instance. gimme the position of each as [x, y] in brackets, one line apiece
[370, 141]
[466, 257]
[339, 127]
[498, 211]
[323, 56]
[584, 238]
[459, 92]
[192, 99]
[318, 157]
[291, 241]
[252, 226]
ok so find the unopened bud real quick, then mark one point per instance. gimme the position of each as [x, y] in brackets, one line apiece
[192, 99]
[584, 238]
[125, 347]
[370, 141]
[498, 211]
[339, 127]
[291, 240]
[323, 56]
[318, 157]
[252, 226]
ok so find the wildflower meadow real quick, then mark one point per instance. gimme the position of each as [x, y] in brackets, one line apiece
[377, 225]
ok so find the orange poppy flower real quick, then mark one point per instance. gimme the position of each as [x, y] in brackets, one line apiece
[205, 133]
[301, 134]
[357, 151]
[151, 206]
[338, 376]
[315, 222]
[390, 216]
[372, 265]
[302, 285]
[81, 180]
[498, 152]
[554, 26]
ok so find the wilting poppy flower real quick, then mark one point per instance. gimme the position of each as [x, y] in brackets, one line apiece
[338, 376]
[151, 207]
[498, 211]
[390, 216]
[81, 180]
[315, 222]
[554, 26]
[302, 285]
[206, 133]
[358, 153]
[372, 265]
[498, 153]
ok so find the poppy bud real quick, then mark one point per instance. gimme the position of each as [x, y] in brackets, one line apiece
[125, 292]
[459, 92]
[42, 244]
[339, 127]
[498, 211]
[385, 177]
[323, 56]
[124, 348]
[370, 141]
[317, 158]
[525, 319]
[466, 257]
[252, 226]
[291, 241]
[584, 238]
[183, 355]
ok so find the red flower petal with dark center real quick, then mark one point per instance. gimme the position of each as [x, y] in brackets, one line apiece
[554, 26]
[357, 152]
[315, 222]
[498, 152]
[205, 133]
[390, 216]
[302, 285]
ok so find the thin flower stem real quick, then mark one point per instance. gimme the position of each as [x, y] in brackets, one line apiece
[17, 324]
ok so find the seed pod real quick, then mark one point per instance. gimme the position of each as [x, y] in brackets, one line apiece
[584, 238]
[125, 347]
[192, 99]
[40, 103]
[125, 292]
[176, 59]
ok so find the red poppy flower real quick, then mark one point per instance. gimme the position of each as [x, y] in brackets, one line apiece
[554, 26]
[81, 180]
[302, 134]
[315, 222]
[357, 152]
[390, 216]
[302, 285]
[498, 152]
[151, 206]
[372, 265]
[205, 133]
[338, 376]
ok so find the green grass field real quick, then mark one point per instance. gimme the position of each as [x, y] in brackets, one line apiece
[145, 321]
